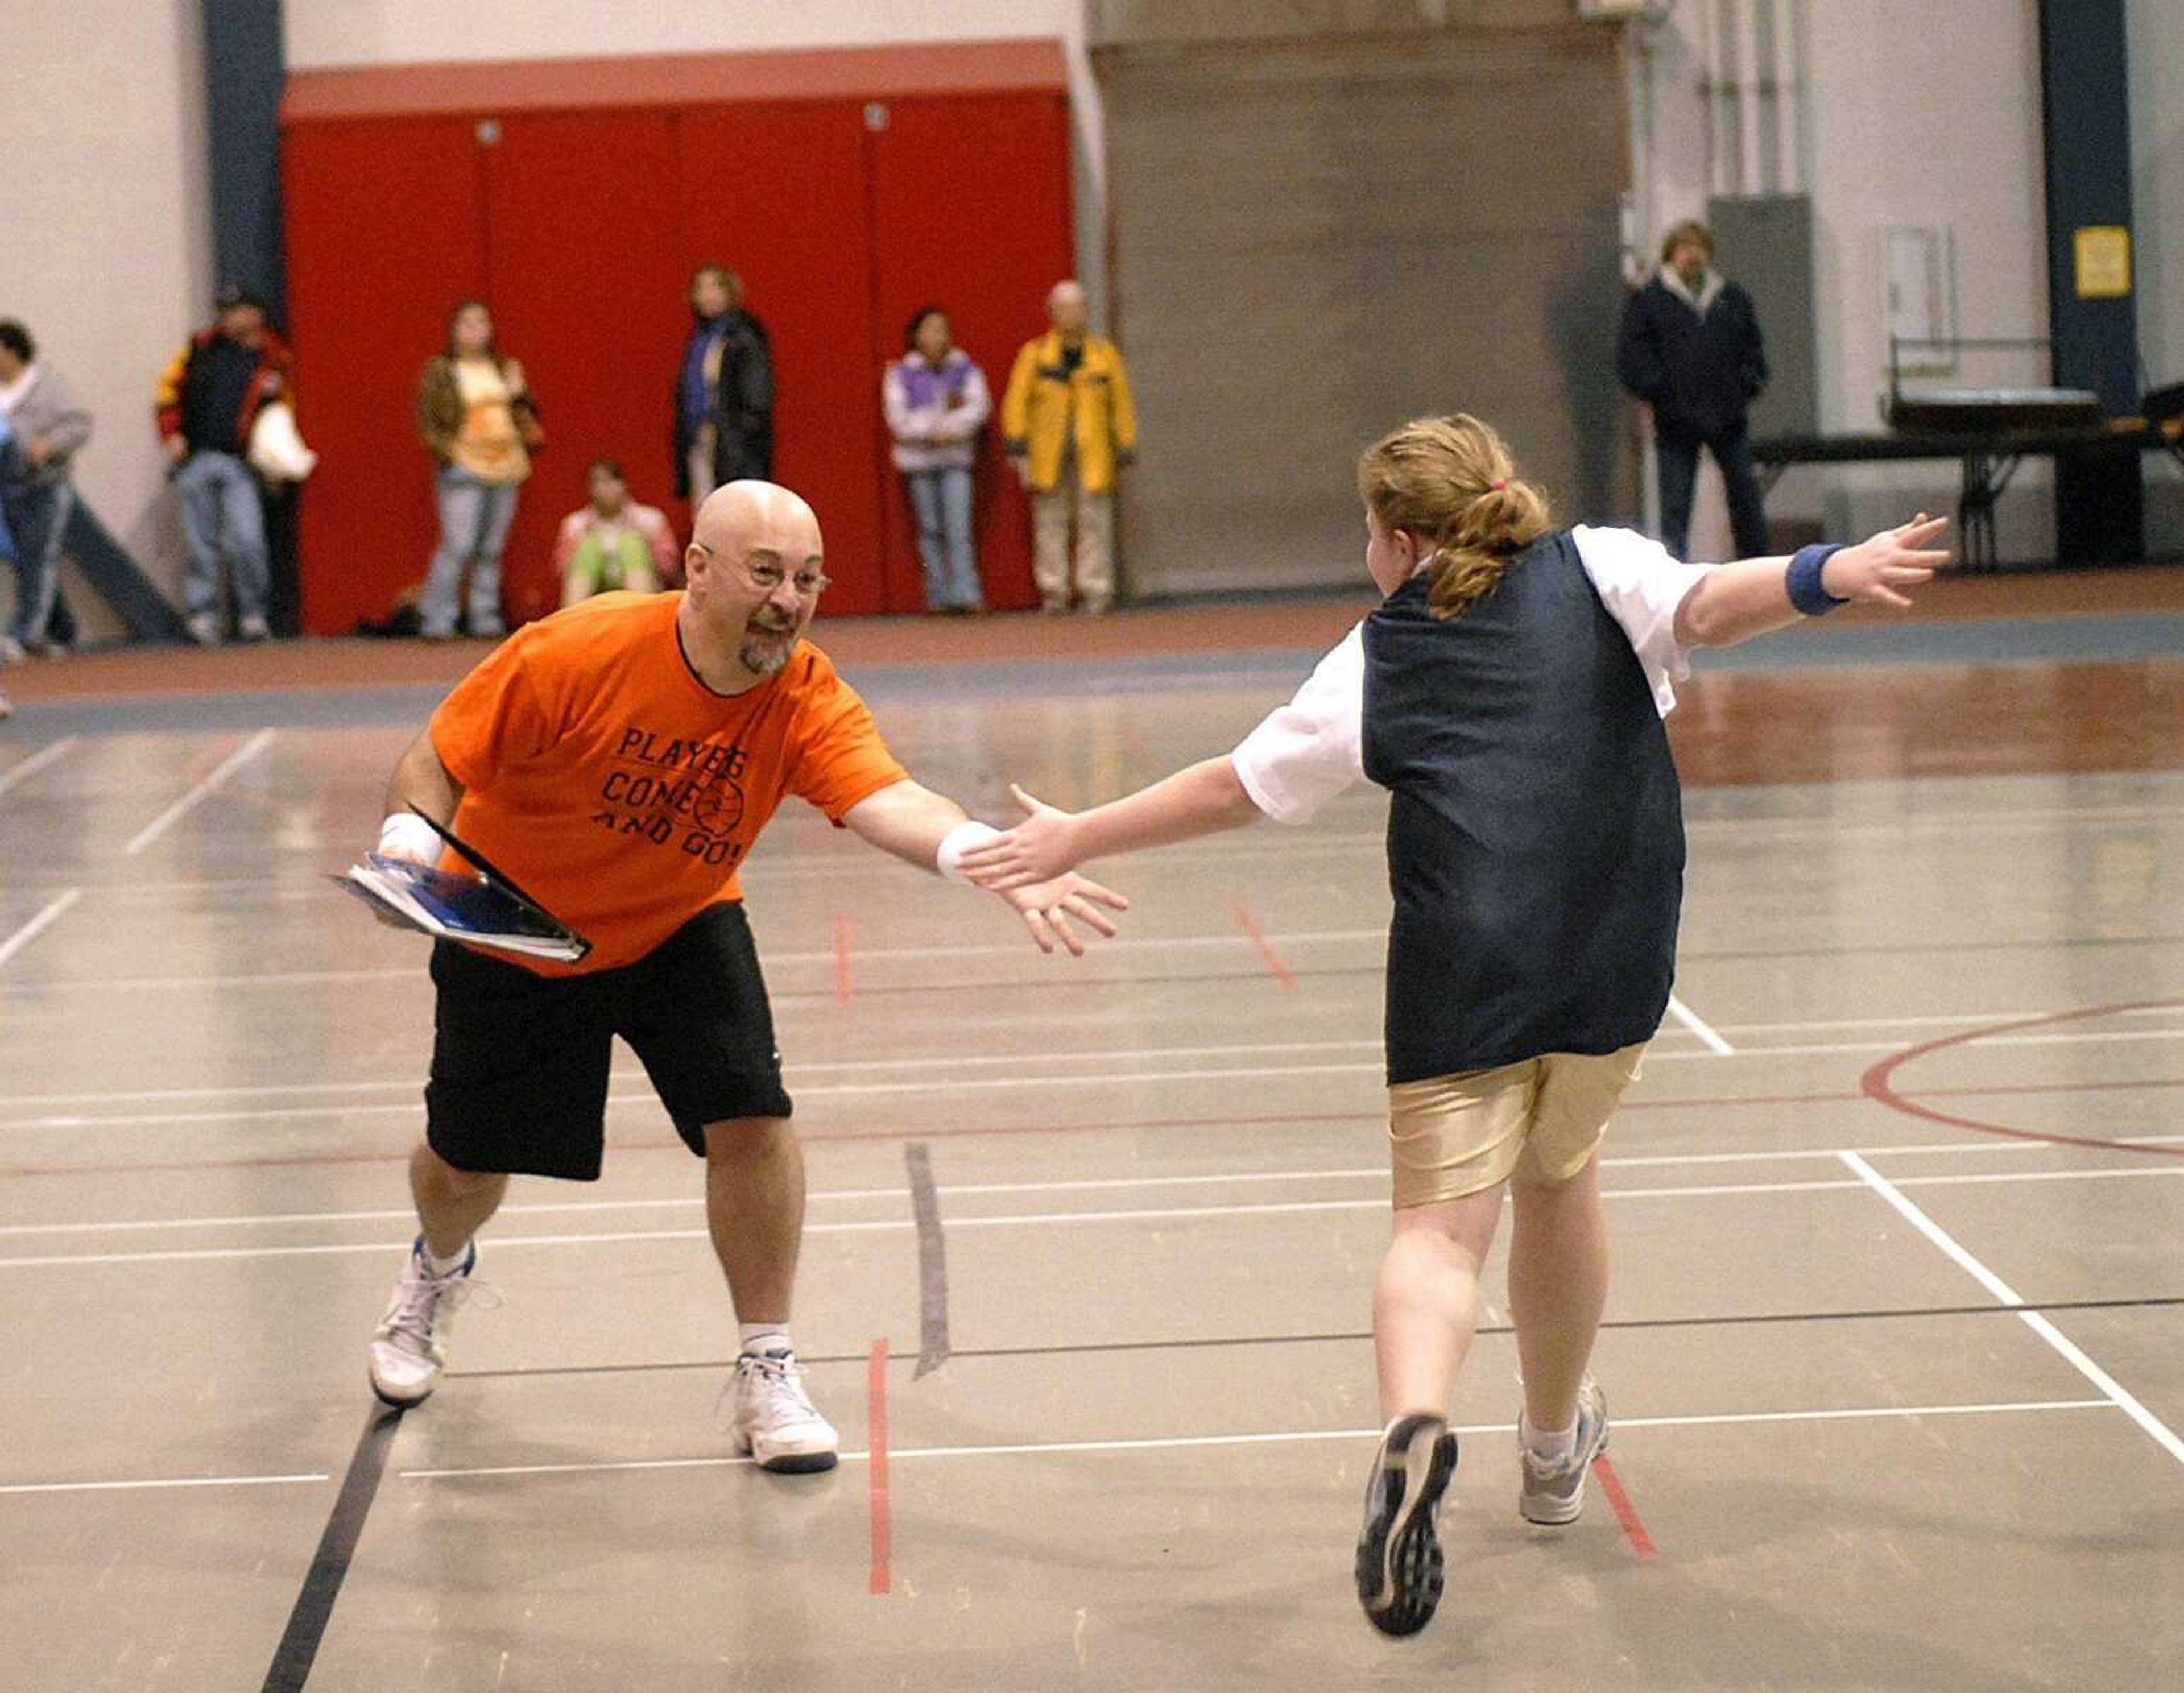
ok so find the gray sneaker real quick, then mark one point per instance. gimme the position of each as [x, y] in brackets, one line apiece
[1554, 1493]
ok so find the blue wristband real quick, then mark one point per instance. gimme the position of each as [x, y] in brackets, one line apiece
[1802, 580]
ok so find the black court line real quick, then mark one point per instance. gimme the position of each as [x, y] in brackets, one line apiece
[322, 1583]
[2153, 1302]
[932, 1261]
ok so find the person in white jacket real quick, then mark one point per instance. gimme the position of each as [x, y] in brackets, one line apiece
[936, 403]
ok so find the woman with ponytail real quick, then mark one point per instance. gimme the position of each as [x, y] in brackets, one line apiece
[1509, 692]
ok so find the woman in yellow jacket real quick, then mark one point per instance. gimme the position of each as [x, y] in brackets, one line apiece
[1068, 425]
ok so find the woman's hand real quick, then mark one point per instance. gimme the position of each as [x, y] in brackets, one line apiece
[1873, 571]
[1038, 849]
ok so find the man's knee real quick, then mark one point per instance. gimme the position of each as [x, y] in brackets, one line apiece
[737, 1139]
[449, 1178]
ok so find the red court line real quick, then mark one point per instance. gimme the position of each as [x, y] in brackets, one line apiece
[1879, 1082]
[841, 961]
[1626, 1513]
[1266, 947]
[883, 1504]
[311, 1160]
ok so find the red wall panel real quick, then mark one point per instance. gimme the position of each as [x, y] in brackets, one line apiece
[384, 222]
[581, 228]
[971, 211]
[586, 280]
[778, 193]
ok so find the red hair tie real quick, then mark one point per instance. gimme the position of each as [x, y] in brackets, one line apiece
[1498, 484]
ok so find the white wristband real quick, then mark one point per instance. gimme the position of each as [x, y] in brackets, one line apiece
[407, 835]
[958, 841]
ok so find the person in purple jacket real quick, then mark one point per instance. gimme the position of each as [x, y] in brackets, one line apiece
[936, 403]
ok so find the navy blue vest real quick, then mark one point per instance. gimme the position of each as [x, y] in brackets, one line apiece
[1535, 841]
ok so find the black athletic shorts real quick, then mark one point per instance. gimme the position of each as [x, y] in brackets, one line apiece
[519, 1061]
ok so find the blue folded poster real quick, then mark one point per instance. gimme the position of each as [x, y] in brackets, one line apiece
[487, 910]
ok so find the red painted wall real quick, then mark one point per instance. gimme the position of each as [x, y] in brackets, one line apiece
[972, 212]
[384, 234]
[581, 228]
[778, 194]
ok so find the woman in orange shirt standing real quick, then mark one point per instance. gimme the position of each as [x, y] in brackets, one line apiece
[477, 418]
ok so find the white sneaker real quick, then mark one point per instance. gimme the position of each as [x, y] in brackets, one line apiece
[409, 1347]
[204, 628]
[773, 1418]
[254, 627]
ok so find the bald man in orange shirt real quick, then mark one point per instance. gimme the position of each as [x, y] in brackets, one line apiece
[620, 758]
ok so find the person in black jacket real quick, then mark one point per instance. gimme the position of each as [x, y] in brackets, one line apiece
[1690, 348]
[723, 393]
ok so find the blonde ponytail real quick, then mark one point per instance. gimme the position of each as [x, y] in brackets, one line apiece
[1451, 480]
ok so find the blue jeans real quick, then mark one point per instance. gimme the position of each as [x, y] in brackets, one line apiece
[221, 509]
[474, 520]
[36, 514]
[942, 499]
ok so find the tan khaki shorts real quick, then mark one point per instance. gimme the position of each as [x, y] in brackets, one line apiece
[1450, 1136]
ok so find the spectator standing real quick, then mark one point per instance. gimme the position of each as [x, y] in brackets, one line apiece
[6, 548]
[1068, 425]
[936, 404]
[1690, 348]
[724, 392]
[476, 416]
[207, 402]
[47, 424]
[611, 542]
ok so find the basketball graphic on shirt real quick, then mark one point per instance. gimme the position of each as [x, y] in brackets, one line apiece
[717, 808]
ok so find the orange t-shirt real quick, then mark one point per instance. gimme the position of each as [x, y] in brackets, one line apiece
[620, 791]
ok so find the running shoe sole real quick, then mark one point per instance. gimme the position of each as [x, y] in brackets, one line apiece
[1400, 1568]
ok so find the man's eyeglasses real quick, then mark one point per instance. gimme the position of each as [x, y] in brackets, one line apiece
[767, 575]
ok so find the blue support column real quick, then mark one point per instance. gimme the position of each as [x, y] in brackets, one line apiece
[2092, 317]
[245, 68]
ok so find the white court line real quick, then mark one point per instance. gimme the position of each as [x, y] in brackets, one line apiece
[1856, 1414]
[415, 1085]
[1697, 1025]
[1005, 1220]
[45, 919]
[1286, 1437]
[1801, 829]
[227, 767]
[161, 1482]
[2009, 1296]
[1226, 1178]
[37, 761]
[1130, 1079]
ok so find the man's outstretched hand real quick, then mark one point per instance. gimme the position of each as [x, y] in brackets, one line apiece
[1046, 908]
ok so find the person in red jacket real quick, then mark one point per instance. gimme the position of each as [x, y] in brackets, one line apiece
[208, 400]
